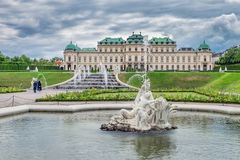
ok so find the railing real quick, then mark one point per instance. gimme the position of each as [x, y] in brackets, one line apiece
[15, 101]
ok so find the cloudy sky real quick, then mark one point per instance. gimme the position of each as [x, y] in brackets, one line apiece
[42, 28]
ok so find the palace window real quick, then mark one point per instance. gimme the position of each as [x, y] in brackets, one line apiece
[161, 67]
[205, 58]
[172, 59]
[156, 49]
[136, 49]
[177, 67]
[161, 58]
[151, 59]
[100, 50]
[90, 59]
[129, 49]
[142, 58]
[142, 49]
[121, 59]
[183, 67]
[79, 59]
[167, 67]
[178, 59]
[194, 59]
[189, 59]
[105, 59]
[136, 58]
[156, 67]
[110, 49]
[183, 59]
[167, 59]
[172, 67]
[189, 67]
[129, 58]
[75, 58]
[69, 58]
[116, 50]
[110, 59]
[156, 58]
[95, 59]
[116, 59]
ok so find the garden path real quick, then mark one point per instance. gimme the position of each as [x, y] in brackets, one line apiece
[21, 98]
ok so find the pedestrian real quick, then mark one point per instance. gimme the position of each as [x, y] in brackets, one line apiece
[35, 86]
[39, 86]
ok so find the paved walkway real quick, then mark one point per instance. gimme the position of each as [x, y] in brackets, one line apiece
[21, 98]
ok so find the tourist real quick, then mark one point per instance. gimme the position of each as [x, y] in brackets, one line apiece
[35, 86]
[39, 85]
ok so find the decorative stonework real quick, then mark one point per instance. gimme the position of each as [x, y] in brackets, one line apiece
[147, 114]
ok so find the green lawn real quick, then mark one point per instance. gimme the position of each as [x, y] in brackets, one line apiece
[227, 82]
[170, 80]
[23, 79]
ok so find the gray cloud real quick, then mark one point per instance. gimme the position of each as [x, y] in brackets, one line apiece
[42, 28]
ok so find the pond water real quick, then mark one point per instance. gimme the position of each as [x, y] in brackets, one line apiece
[41, 136]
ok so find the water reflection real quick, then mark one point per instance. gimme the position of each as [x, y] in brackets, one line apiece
[148, 147]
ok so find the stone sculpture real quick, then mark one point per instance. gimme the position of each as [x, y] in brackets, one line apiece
[147, 114]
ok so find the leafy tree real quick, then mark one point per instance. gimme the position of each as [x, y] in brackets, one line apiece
[232, 56]
[2, 57]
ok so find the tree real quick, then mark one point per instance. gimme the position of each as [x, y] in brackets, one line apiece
[25, 59]
[2, 57]
[232, 56]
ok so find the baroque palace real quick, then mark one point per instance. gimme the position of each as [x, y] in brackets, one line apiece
[130, 54]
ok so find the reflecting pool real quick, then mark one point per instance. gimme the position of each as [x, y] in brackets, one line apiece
[39, 136]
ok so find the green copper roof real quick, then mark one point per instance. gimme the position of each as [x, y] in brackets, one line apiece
[135, 39]
[159, 40]
[78, 49]
[71, 47]
[112, 41]
[204, 46]
[88, 50]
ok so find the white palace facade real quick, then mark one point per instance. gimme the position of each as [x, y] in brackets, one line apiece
[163, 55]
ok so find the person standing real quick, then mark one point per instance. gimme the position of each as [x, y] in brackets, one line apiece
[39, 86]
[35, 86]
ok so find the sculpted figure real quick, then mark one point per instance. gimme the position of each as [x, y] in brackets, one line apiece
[146, 113]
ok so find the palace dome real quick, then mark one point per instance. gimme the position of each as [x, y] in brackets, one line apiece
[71, 47]
[204, 46]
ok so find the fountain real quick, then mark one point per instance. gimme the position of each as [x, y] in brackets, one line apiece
[83, 79]
[147, 113]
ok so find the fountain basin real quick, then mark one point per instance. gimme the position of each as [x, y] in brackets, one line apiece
[77, 136]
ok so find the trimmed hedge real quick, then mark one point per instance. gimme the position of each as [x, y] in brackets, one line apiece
[18, 67]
